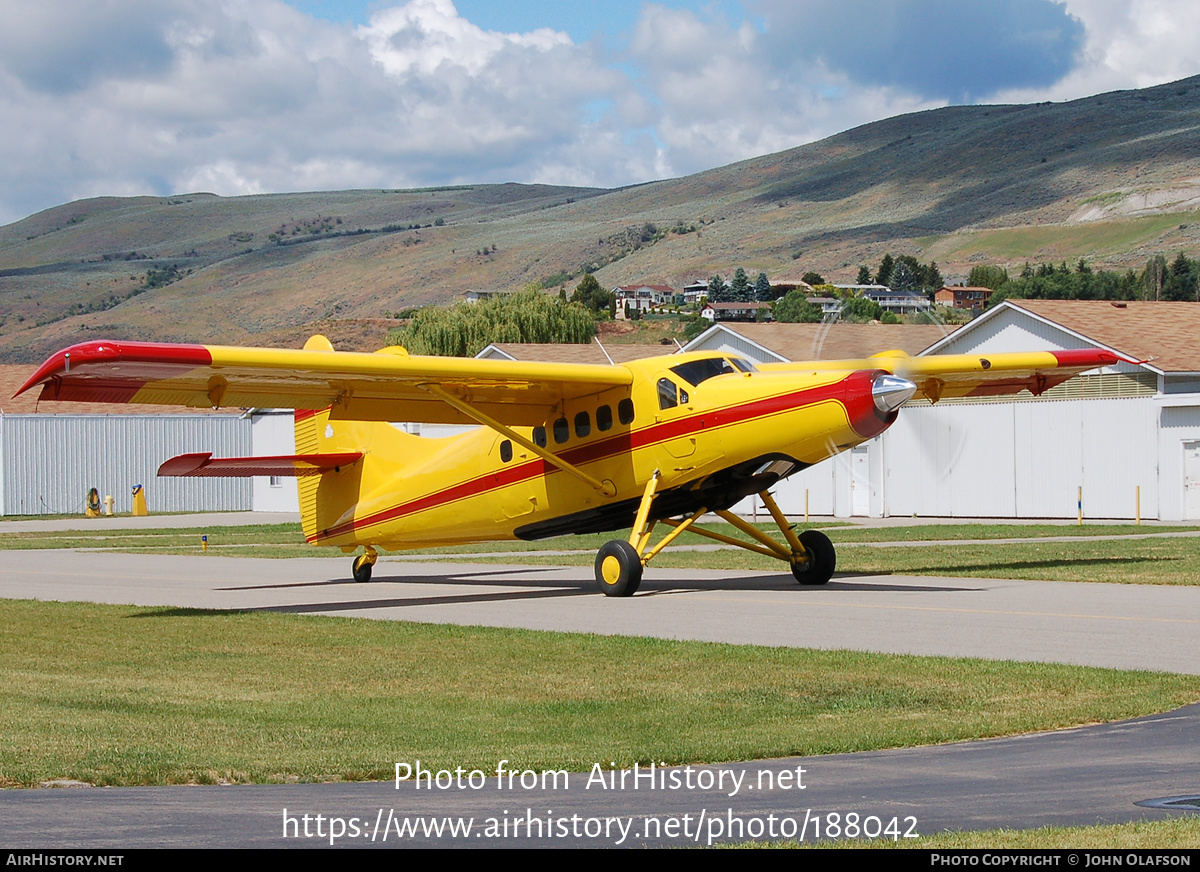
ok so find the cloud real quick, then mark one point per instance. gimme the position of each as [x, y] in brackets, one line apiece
[935, 49]
[242, 96]
[1128, 44]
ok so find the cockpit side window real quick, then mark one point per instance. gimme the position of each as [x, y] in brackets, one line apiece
[667, 397]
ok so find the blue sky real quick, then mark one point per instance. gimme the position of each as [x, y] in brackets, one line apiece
[126, 97]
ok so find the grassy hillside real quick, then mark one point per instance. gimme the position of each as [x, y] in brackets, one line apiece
[1112, 178]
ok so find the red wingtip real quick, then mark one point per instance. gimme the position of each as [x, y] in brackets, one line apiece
[102, 351]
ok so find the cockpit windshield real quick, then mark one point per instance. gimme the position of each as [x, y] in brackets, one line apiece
[696, 371]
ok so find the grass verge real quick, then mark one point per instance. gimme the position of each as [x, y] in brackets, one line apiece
[126, 695]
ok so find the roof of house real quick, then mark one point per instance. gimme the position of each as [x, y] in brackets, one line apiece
[13, 376]
[1162, 333]
[662, 289]
[579, 353]
[733, 307]
[960, 288]
[838, 341]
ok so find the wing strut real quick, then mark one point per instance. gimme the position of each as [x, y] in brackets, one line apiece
[605, 487]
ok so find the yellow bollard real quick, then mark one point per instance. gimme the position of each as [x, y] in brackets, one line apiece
[1079, 503]
[1139, 505]
[139, 502]
[108, 505]
[204, 543]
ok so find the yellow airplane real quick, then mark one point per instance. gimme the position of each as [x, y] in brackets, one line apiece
[563, 448]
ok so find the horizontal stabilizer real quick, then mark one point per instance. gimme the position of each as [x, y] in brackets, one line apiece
[204, 465]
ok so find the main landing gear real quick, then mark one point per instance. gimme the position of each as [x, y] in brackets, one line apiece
[619, 563]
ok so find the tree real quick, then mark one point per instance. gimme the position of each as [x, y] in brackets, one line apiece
[864, 276]
[933, 277]
[884, 273]
[762, 288]
[903, 278]
[1181, 279]
[1154, 276]
[739, 288]
[465, 329]
[793, 307]
[590, 294]
[812, 278]
[859, 309]
[716, 290]
[988, 276]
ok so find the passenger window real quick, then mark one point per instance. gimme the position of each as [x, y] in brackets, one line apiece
[583, 424]
[625, 411]
[539, 437]
[667, 398]
[604, 418]
[562, 431]
[505, 451]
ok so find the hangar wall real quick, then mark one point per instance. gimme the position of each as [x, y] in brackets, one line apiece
[49, 462]
[1016, 460]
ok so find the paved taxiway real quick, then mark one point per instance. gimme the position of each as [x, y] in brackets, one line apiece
[1082, 776]
[1113, 625]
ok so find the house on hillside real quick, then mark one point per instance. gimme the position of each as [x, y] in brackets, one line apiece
[741, 311]
[642, 298]
[896, 302]
[964, 297]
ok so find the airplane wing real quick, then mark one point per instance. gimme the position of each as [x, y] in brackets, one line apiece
[973, 375]
[384, 386]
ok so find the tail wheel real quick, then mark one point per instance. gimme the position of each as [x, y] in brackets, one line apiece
[362, 568]
[816, 565]
[618, 569]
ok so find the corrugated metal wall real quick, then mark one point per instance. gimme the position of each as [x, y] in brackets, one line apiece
[1006, 460]
[49, 462]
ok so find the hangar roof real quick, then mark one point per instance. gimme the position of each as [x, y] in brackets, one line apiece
[824, 342]
[1165, 333]
[572, 353]
[1160, 334]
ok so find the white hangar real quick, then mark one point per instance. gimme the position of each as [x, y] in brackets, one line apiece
[1123, 441]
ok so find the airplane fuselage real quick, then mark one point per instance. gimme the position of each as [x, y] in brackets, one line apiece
[712, 442]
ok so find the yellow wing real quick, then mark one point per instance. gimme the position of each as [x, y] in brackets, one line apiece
[389, 385]
[972, 375]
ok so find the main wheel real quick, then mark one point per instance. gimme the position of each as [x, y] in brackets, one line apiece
[817, 564]
[618, 569]
[362, 569]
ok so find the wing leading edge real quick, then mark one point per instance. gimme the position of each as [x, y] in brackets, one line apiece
[974, 375]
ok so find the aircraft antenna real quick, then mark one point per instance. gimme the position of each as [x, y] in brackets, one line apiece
[606, 354]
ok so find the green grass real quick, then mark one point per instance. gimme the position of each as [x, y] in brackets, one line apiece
[127, 695]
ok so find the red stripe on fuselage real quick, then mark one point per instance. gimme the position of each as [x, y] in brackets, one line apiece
[624, 443]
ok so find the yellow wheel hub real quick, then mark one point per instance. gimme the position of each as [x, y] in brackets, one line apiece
[611, 570]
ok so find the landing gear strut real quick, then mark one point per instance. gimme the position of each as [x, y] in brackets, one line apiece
[362, 565]
[619, 564]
